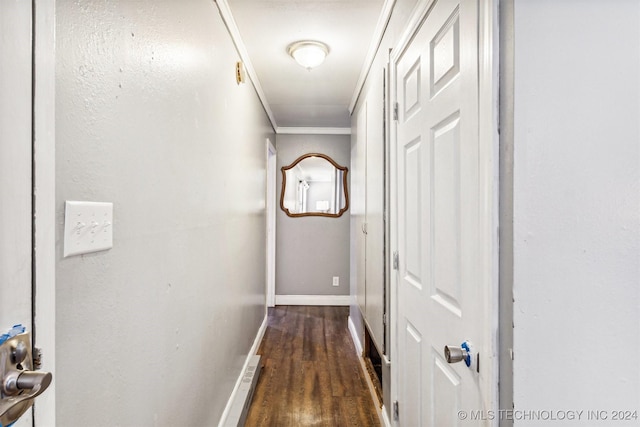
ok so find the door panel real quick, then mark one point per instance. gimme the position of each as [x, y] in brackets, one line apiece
[446, 216]
[445, 52]
[15, 167]
[375, 214]
[413, 213]
[438, 216]
[359, 205]
[411, 362]
[445, 393]
[411, 90]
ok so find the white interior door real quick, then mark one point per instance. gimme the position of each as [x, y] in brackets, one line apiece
[374, 238]
[359, 205]
[15, 167]
[440, 278]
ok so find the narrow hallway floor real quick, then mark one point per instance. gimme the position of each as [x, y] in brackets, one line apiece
[311, 375]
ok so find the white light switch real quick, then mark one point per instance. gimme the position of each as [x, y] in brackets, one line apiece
[88, 227]
[336, 281]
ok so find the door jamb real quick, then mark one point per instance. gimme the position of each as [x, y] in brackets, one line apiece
[44, 224]
[488, 122]
[506, 71]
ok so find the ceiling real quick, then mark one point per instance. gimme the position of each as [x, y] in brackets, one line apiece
[294, 96]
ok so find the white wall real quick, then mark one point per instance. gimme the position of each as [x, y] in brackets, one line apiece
[311, 250]
[154, 332]
[367, 161]
[577, 207]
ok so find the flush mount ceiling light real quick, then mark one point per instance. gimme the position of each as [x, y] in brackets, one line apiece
[308, 53]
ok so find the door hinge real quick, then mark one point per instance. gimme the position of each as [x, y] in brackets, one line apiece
[37, 358]
[395, 111]
[384, 319]
[396, 411]
[396, 260]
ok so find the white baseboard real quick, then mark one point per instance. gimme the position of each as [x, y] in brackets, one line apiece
[385, 418]
[380, 409]
[338, 300]
[254, 349]
[354, 337]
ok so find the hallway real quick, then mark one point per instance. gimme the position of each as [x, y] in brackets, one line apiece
[311, 375]
[493, 156]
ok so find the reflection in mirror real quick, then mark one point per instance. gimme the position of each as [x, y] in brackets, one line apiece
[314, 185]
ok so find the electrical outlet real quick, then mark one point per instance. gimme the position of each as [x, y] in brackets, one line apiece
[336, 281]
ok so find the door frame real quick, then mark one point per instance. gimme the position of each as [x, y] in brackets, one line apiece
[488, 112]
[271, 223]
[44, 194]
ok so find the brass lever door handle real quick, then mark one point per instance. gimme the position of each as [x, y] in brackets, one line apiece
[19, 383]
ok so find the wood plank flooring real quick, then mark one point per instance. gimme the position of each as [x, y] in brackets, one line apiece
[311, 375]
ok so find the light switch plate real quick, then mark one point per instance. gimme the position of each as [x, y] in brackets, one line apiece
[88, 227]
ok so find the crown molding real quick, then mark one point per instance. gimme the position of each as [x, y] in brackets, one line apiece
[376, 40]
[232, 28]
[312, 131]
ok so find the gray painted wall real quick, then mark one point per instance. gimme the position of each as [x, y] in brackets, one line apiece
[311, 250]
[576, 215]
[154, 332]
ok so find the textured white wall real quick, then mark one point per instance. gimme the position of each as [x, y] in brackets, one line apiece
[311, 250]
[577, 207]
[154, 332]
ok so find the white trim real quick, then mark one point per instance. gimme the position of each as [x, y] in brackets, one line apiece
[488, 124]
[393, 228]
[372, 390]
[45, 204]
[382, 411]
[312, 131]
[227, 17]
[355, 337]
[418, 15]
[385, 418]
[337, 300]
[252, 352]
[378, 34]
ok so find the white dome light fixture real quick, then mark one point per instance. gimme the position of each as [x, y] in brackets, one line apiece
[308, 53]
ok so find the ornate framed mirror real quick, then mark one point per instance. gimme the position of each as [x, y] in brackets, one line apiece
[314, 185]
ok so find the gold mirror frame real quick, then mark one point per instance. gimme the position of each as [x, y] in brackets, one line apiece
[345, 171]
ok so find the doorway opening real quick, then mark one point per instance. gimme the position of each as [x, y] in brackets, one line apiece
[373, 362]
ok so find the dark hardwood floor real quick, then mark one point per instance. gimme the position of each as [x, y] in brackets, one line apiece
[311, 375]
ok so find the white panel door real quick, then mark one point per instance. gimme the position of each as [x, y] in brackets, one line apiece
[374, 237]
[441, 292]
[15, 167]
[359, 205]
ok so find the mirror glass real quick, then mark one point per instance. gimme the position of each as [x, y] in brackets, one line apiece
[314, 185]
